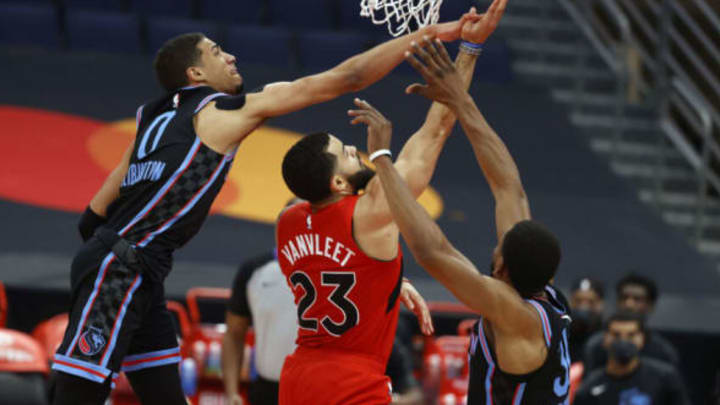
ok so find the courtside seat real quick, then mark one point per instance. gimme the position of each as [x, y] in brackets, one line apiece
[160, 29]
[316, 14]
[175, 8]
[243, 12]
[261, 45]
[320, 50]
[103, 31]
[29, 24]
[107, 5]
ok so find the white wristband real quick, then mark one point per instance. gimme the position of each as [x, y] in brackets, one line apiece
[379, 153]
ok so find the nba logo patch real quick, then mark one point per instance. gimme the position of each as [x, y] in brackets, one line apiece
[91, 341]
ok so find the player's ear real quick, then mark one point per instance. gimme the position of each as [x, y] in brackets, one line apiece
[338, 185]
[195, 74]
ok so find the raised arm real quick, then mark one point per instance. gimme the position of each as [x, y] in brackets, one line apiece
[354, 74]
[501, 172]
[418, 158]
[230, 127]
[491, 298]
[445, 86]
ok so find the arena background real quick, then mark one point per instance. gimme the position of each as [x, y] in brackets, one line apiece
[67, 115]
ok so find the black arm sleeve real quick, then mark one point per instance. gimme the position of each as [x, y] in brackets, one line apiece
[238, 303]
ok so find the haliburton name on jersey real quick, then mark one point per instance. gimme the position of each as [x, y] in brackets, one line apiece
[138, 172]
[310, 245]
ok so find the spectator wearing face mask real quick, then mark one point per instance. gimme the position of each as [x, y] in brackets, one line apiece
[587, 304]
[637, 294]
[628, 378]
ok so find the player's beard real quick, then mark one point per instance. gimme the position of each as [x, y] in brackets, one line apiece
[361, 179]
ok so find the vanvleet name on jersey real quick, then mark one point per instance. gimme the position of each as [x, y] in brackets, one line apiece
[312, 244]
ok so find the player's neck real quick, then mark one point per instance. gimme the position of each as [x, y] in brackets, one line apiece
[615, 369]
[328, 201]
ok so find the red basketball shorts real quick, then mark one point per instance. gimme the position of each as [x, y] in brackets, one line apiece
[330, 377]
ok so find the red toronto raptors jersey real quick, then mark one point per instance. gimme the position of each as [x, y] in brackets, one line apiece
[345, 299]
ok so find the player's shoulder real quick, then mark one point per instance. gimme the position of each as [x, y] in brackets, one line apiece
[293, 212]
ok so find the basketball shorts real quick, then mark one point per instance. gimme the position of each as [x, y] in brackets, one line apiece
[118, 320]
[318, 376]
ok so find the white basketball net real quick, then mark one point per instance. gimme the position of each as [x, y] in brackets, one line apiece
[398, 14]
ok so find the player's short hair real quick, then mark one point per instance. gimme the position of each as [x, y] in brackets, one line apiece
[531, 253]
[636, 279]
[307, 167]
[174, 57]
[626, 316]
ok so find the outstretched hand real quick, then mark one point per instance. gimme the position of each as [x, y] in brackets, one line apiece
[451, 31]
[379, 128]
[413, 301]
[477, 30]
[431, 60]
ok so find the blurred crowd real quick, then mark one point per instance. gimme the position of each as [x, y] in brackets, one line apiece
[619, 354]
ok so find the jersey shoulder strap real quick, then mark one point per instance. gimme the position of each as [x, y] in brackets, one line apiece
[187, 100]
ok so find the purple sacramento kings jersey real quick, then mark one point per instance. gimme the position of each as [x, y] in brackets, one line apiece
[172, 179]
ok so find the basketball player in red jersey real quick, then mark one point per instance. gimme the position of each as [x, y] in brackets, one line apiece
[519, 351]
[341, 256]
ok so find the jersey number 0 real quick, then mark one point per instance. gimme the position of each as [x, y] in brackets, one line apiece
[343, 283]
[161, 122]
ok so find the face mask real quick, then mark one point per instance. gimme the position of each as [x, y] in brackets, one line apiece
[623, 351]
[585, 322]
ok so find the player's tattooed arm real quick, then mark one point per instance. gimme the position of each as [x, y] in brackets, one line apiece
[492, 298]
[110, 190]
